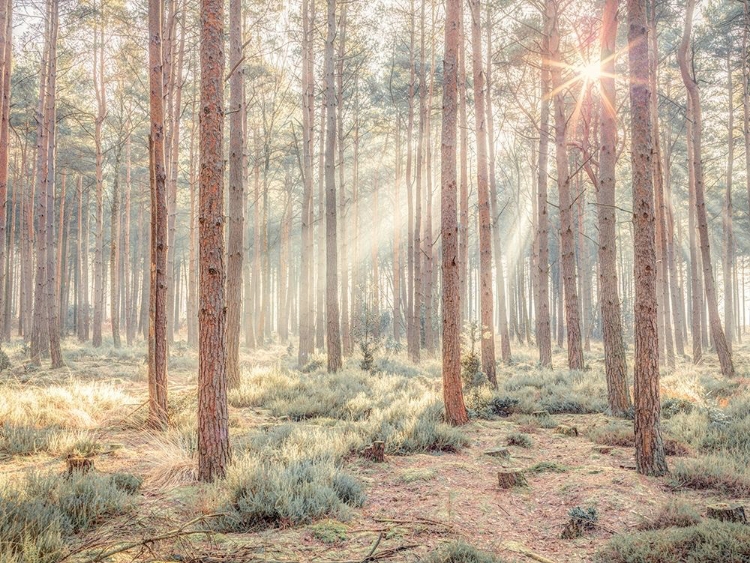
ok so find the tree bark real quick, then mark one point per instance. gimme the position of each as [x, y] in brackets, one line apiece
[494, 206]
[567, 234]
[236, 197]
[333, 337]
[717, 333]
[213, 418]
[649, 448]
[485, 220]
[157, 333]
[543, 329]
[615, 363]
[455, 410]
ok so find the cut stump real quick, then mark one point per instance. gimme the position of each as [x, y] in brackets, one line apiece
[540, 414]
[77, 463]
[566, 430]
[502, 453]
[511, 478]
[727, 512]
[375, 452]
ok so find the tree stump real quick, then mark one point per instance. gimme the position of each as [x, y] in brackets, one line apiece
[77, 463]
[727, 512]
[511, 478]
[375, 452]
[540, 414]
[566, 430]
[502, 453]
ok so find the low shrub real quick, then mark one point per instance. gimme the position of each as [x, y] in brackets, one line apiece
[717, 542]
[520, 439]
[547, 467]
[675, 513]
[459, 552]
[712, 472]
[25, 440]
[39, 515]
[613, 434]
[266, 494]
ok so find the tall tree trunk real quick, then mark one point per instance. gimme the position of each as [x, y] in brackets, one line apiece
[343, 242]
[463, 222]
[717, 333]
[728, 234]
[615, 364]
[333, 337]
[101, 100]
[412, 343]
[485, 220]
[320, 305]
[455, 410]
[157, 333]
[236, 196]
[649, 448]
[567, 234]
[114, 255]
[6, 48]
[40, 307]
[543, 329]
[306, 327]
[213, 417]
[495, 205]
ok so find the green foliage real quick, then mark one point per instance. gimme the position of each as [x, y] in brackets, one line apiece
[4, 361]
[675, 513]
[520, 439]
[471, 365]
[39, 515]
[547, 467]
[716, 472]
[127, 482]
[367, 334]
[673, 406]
[613, 434]
[459, 552]
[404, 412]
[25, 440]
[586, 518]
[717, 542]
[329, 531]
[263, 493]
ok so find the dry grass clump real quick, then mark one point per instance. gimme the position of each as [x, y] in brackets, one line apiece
[676, 513]
[717, 542]
[40, 514]
[713, 471]
[459, 552]
[265, 493]
[73, 405]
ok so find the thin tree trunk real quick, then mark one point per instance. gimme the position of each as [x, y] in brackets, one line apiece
[728, 234]
[157, 333]
[333, 337]
[543, 329]
[717, 332]
[567, 235]
[236, 197]
[306, 328]
[615, 364]
[495, 204]
[485, 220]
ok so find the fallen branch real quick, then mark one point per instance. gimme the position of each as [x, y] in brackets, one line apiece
[523, 550]
[182, 531]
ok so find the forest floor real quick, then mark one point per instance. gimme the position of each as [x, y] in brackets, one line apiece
[421, 497]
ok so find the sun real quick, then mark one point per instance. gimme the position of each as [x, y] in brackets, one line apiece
[590, 72]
